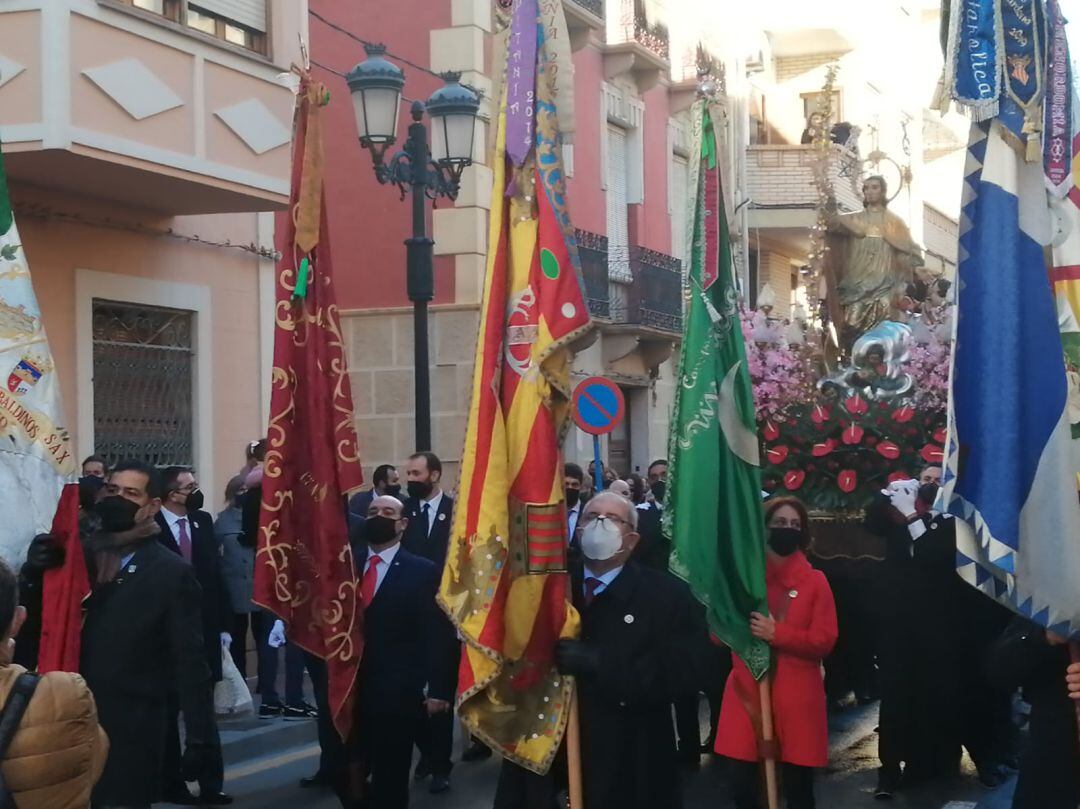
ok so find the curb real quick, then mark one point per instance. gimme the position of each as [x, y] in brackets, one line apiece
[244, 740]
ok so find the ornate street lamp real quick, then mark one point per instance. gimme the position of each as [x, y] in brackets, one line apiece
[429, 173]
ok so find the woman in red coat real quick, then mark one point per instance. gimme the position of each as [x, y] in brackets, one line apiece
[801, 628]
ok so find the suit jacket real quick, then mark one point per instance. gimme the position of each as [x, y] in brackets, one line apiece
[215, 610]
[359, 502]
[408, 643]
[418, 541]
[139, 642]
[652, 643]
[653, 550]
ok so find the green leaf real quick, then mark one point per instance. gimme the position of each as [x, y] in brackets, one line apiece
[9, 251]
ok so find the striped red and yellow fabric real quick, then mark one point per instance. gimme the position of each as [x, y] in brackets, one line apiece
[505, 584]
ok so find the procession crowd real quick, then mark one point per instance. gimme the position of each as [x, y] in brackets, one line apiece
[170, 613]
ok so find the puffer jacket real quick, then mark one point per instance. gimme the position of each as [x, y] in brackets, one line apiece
[59, 751]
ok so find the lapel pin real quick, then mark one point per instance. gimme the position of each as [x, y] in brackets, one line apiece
[628, 618]
[131, 568]
[442, 516]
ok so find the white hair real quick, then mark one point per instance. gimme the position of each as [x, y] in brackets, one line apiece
[631, 512]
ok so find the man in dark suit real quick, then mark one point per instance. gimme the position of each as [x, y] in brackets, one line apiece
[408, 644]
[430, 514]
[642, 647]
[188, 531]
[141, 639]
[384, 480]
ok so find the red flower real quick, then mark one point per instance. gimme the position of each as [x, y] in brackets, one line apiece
[871, 440]
[856, 405]
[895, 476]
[932, 453]
[823, 449]
[900, 415]
[776, 455]
[770, 432]
[853, 434]
[847, 480]
[820, 414]
[794, 479]
[939, 435]
[887, 449]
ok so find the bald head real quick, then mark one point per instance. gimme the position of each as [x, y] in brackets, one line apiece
[385, 524]
[386, 505]
[620, 487]
[609, 503]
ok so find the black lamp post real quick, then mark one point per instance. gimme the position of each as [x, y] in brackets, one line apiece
[428, 172]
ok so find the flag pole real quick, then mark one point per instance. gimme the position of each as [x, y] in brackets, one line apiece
[765, 690]
[1074, 655]
[573, 753]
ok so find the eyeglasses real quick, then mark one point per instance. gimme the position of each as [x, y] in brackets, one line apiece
[592, 518]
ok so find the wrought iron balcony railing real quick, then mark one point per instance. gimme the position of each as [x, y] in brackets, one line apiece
[655, 296]
[593, 251]
[595, 7]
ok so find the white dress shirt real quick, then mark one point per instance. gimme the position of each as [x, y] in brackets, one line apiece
[433, 509]
[386, 558]
[173, 521]
[605, 580]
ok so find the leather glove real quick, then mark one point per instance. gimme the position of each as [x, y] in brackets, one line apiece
[576, 657]
[45, 553]
[902, 495]
[277, 635]
[226, 640]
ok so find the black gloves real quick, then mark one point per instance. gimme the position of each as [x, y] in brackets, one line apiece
[576, 657]
[44, 553]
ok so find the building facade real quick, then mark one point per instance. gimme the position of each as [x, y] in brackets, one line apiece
[147, 145]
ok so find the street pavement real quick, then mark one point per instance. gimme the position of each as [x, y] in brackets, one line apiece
[271, 757]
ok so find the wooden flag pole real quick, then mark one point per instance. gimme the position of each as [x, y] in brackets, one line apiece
[771, 791]
[573, 753]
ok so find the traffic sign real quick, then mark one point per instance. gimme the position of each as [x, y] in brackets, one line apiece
[598, 405]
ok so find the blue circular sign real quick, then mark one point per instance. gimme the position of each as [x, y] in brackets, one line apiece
[598, 405]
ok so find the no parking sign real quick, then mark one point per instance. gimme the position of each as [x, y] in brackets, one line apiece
[598, 408]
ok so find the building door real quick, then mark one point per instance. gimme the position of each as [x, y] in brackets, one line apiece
[143, 383]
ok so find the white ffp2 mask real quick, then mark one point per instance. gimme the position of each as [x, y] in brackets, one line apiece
[601, 539]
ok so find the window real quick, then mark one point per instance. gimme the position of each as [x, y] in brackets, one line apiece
[813, 102]
[238, 22]
[617, 213]
[143, 383]
[680, 203]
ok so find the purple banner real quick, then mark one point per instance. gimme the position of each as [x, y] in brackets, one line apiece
[1057, 129]
[521, 81]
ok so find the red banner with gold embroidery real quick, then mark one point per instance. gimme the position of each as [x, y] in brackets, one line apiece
[304, 567]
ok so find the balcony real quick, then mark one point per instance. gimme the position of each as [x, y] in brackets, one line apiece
[636, 48]
[781, 181]
[109, 101]
[593, 252]
[653, 36]
[654, 297]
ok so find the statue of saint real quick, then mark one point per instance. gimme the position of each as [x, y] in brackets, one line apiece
[873, 258]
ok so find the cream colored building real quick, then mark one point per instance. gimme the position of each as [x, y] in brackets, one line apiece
[146, 143]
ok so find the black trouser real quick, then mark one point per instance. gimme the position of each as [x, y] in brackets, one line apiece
[238, 648]
[384, 743]
[435, 735]
[687, 725]
[212, 777]
[332, 758]
[796, 785]
[519, 788]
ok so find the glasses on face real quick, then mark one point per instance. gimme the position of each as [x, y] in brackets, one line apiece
[188, 489]
[592, 518]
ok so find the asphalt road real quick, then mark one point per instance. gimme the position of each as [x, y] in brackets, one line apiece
[271, 781]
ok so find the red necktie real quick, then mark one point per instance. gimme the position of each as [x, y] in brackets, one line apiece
[371, 576]
[185, 539]
[590, 589]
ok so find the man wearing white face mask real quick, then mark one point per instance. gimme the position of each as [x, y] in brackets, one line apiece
[641, 647]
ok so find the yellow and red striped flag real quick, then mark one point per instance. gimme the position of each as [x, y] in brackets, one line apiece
[505, 585]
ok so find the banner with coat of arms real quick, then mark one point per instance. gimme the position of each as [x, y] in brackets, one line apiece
[36, 458]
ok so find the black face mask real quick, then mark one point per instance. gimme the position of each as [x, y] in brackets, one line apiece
[379, 530]
[394, 490]
[420, 489]
[572, 497]
[659, 489]
[117, 513]
[928, 494]
[784, 541]
[194, 501]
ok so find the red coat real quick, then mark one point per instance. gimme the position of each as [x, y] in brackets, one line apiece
[805, 636]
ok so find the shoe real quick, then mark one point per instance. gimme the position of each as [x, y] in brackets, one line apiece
[215, 799]
[270, 711]
[180, 796]
[888, 783]
[422, 771]
[992, 777]
[301, 711]
[315, 781]
[477, 751]
[439, 784]
[691, 757]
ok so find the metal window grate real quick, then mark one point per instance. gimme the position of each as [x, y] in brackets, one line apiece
[143, 383]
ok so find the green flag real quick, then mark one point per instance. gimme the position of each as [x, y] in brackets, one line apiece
[713, 513]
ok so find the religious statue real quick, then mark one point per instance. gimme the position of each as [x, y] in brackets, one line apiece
[872, 259]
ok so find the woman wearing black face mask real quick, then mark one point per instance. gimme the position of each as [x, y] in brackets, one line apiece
[801, 628]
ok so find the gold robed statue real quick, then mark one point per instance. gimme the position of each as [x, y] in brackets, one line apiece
[872, 259]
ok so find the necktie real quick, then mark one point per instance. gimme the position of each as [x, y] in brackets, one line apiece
[371, 576]
[185, 539]
[427, 521]
[591, 586]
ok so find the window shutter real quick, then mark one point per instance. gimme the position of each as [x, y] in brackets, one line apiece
[680, 204]
[617, 228]
[248, 13]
